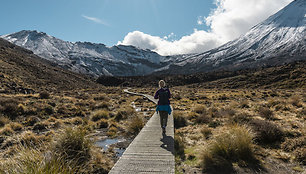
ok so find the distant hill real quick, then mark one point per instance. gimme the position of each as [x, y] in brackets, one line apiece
[23, 72]
[291, 75]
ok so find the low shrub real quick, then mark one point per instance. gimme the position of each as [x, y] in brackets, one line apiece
[199, 109]
[40, 126]
[265, 113]
[103, 123]
[44, 95]
[102, 105]
[135, 125]
[30, 121]
[241, 118]
[97, 115]
[48, 110]
[244, 103]
[3, 121]
[9, 107]
[203, 118]
[267, 132]
[206, 132]
[179, 120]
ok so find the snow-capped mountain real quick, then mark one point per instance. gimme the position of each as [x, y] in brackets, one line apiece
[280, 38]
[90, 58]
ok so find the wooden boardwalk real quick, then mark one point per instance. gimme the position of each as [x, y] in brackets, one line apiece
[151, 151]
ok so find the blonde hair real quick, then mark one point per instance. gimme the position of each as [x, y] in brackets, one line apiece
[162, 83]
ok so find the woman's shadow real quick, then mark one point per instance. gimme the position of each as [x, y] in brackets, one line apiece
[168, 143]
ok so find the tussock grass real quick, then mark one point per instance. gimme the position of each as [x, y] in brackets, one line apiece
[44, 95]
[124, 113]
[103, 123]
[267, 132]
[296, 101]
[97, 115]
[206, 132]
[135, 125]
[7, 130]
[34, 160]
[179, 147]
[265, 113]
[9, 107]
[15, 126]
[179, 119]
[4, 121]
[200, 109]
[30, 121]
[234, 144]
[72, 145]
[112, 131]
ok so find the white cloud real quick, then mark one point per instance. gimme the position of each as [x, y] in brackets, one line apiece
[96, 20]
[228, 21]
[201, 20]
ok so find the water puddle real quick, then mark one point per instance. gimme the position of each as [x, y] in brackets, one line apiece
[106, 143]
[137, 109]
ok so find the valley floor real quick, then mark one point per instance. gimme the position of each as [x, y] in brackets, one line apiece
[237, 130]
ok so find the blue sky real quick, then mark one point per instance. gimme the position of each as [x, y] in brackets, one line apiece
[110, 20]
[165, 26]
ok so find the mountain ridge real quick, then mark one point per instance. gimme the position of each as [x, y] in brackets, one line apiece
[277, 40]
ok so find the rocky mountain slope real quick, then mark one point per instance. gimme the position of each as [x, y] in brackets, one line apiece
[21, 71]
[89, 58]
[279, 39]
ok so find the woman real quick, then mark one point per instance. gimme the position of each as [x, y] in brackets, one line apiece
[163, 106]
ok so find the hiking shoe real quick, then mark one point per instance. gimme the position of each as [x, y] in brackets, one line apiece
[164, 130]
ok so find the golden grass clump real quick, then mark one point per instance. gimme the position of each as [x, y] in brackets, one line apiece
[234, 144]
[124, 113]
[135, 125]
[72, 145]
[206, 132]
[4, 121]
[29, 139]
[15, 126]
[179, 147]
[34, 160]
[112, 131]
[7, 130]
[77, 121]
[296, 101]
[179, 119]
[97, 115]
[265, 113]
[200, 109]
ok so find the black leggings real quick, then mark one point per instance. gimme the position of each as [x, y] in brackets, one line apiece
[163, 118]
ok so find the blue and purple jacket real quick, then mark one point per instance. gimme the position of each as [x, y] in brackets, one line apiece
[163, 107]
